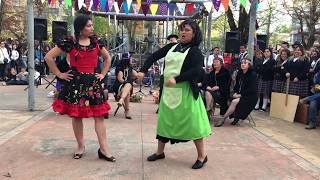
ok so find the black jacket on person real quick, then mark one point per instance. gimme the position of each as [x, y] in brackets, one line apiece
[299, 69]
[221, 79]
[266, 71]
[246, 86]
[191, 70]
[279, 70]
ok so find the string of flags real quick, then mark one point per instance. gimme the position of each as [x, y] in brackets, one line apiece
[162, 7]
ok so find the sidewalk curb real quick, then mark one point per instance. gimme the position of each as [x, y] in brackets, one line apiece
[296, 158]
[6, 137]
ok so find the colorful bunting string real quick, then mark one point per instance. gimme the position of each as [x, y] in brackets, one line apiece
[181, 7]
[216, 4]
[110, 4]
[67, 3]
[208, 6]
[145, 8]
[225, 4]
[172, 8]
[243, 3]
[163, 8]
[154, 8]
[190, 8]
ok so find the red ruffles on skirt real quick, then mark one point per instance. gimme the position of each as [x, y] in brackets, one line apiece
[80, 111]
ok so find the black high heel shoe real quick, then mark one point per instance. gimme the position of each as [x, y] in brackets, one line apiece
[79, 155]
[198, 164]
[102, 156]
[235, 121]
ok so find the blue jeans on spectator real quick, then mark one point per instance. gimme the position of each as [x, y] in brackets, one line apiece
[313, 108]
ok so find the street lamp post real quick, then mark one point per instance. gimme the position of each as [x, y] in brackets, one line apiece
[30, 39]
[252, 28]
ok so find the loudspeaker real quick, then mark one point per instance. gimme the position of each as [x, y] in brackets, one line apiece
[40, 29]
[232, 44]
[262, 41]
[59, 30]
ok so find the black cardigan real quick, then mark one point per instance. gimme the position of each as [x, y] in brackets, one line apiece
[246, 84]
[223, 80]
[191, 70]
[299, 69]
[266, 71]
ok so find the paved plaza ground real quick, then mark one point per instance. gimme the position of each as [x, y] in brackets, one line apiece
[40, 144]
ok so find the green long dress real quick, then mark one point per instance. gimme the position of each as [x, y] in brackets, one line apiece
[181, 116]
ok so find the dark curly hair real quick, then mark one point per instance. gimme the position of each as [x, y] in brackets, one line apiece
[197, 39]
[79, 23]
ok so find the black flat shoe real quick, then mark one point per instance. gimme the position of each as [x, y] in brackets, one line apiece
[102, 156]
[235, 121]
[198, 164]
[78, 155]
[155, 157]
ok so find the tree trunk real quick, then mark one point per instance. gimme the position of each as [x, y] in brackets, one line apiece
[243, 25]
[231, 21]
[2, 13]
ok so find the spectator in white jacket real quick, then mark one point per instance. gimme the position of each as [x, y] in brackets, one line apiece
[4, 60]
[14, 58]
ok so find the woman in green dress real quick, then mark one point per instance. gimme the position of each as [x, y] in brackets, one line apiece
[182, 116]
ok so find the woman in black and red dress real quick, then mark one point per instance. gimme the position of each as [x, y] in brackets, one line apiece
[82, 95]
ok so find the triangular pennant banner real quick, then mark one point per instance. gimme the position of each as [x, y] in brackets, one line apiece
[208, 6]
[190, 8]
[135, 8]
[80, 4]
[103, 4]
[110, 4]
[225, 4]
[126, 7]
[119, 4]
[67, 3]
[154, 8]
[216, 4]
[234, 3]
[42, 1]
[75, 5]
[145, 8]
[116, 7]
[163, 8]
[95, 5]
[181, 7]
[106, 8]
[87, 4]
[243, 3]
[129, 2]
[149, 2]
[172, 7]
[169, 1]
[139, 3]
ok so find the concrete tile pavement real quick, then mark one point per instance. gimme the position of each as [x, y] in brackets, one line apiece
[44, 151]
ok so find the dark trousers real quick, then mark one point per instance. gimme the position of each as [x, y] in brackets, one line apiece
[2, 71]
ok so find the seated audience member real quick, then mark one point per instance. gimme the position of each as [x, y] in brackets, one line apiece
[123, 86]
[217, 88]
[245, 94]
[314, 101]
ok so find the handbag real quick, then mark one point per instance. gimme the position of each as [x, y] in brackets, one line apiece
[216, 93]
